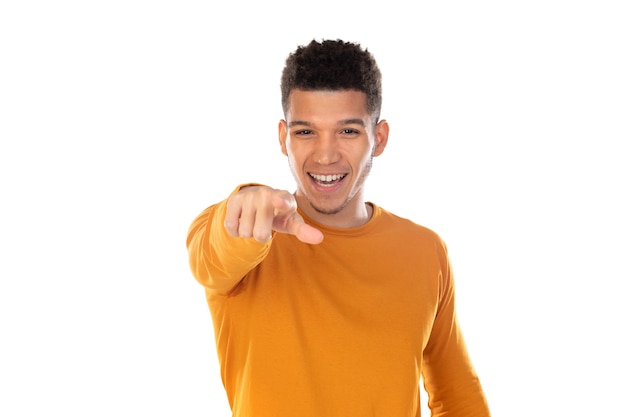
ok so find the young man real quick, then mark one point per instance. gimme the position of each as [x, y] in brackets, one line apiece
[323, 304]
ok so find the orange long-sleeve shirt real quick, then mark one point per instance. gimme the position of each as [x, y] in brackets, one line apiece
[343, 328]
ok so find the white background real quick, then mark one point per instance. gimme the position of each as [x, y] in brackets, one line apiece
[122, 120]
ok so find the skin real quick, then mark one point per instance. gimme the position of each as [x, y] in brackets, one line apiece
[326, 134]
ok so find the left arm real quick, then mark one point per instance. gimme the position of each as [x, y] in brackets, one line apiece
[450, 379]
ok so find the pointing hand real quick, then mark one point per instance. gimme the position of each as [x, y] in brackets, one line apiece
[256, 211]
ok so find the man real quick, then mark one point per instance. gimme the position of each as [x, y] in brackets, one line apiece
[323, 304]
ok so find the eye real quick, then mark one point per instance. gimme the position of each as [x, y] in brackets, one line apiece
[349, 132]
[303, 132]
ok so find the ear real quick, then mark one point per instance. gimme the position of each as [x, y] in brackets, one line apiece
[282, 136]
[382, 134]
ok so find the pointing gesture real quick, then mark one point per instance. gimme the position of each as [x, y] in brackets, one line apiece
[256, 211]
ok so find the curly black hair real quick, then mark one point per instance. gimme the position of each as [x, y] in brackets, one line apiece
[333, 65]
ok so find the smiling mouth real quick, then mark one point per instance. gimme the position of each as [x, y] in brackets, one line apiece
[327, 180]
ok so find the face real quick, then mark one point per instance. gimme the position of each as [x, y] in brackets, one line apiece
[330, 140]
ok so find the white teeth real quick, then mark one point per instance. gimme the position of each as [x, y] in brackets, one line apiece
[327, 178]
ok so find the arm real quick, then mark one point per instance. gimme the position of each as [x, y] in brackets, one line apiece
[452, 384]
[219, 261]
[230, 238]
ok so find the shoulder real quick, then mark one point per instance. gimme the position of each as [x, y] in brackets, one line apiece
[398, 224]
[407, 233]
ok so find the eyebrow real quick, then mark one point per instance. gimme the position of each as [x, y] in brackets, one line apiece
[359, 122]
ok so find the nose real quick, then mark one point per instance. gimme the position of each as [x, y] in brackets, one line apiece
[326, 150]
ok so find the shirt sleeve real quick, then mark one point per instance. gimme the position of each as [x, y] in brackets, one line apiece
[217, 260]
[450, 380]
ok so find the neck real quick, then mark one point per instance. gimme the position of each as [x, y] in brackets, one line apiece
[356, 213]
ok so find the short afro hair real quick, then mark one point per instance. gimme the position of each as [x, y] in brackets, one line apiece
[333, 65]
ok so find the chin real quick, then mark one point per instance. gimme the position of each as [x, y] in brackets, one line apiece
[328, 209]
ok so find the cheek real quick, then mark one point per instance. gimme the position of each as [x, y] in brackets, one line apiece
[364, 156]
[294, 153]
[291, 157]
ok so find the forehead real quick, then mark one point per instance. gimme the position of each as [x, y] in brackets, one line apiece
[322, 104]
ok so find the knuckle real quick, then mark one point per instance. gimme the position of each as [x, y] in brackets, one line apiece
[265, 194]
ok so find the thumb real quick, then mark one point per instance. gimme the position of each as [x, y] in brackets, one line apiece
[307, 233]
[292, 223]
